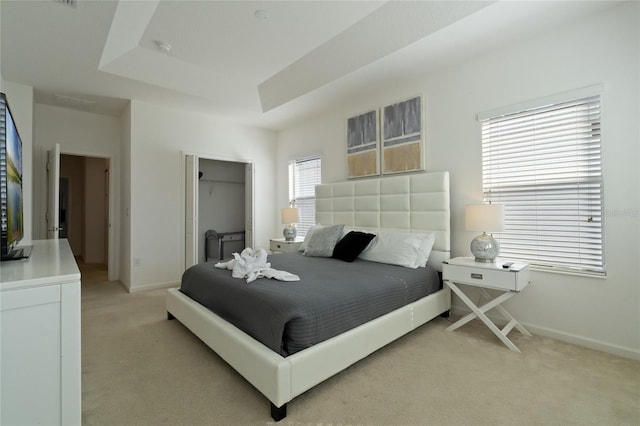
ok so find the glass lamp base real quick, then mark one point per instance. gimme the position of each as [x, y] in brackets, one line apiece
[290, 233]
[485, 248]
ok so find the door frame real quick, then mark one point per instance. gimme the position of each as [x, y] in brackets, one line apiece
[112, 219]
[249, 200]
[52, 171]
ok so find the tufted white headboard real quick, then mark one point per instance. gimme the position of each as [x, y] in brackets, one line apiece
[409, 203]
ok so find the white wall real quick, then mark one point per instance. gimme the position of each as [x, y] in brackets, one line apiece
[125, 199]
[159, 138]
[601, 313]
[79, 133]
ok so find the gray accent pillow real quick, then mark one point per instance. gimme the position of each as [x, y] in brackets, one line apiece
[323, 241]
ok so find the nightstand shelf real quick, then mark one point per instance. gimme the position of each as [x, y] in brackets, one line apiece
[280, 245]
[510, 281]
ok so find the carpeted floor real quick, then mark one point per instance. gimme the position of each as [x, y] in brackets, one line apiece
[138, 368]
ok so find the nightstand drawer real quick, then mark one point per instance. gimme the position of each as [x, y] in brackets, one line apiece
[277, 244]
[487, 276]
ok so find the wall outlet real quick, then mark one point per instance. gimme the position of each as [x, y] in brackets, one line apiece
[137, 261]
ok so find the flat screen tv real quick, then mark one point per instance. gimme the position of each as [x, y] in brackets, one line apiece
[11, 208]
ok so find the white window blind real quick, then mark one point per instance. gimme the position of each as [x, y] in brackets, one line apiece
[304, 175]
[545, 165]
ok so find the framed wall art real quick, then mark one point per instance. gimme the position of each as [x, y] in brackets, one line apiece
[402, 136]
[363, 145]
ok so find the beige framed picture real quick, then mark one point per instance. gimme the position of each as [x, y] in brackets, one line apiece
[363, 145]
[402, 129]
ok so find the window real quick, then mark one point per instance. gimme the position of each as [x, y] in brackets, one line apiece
[544, 163]
[304, 175]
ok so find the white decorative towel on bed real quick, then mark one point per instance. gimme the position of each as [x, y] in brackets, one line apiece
[278, 275]
[252, 264]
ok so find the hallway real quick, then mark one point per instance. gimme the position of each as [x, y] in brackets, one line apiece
[92, 272]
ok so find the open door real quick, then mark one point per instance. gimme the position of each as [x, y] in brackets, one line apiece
[53, 192]
[191, 211]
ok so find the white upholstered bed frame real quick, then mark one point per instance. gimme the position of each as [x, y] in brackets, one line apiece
[411, 203]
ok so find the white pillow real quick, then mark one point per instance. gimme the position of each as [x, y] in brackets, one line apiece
[395, 248]
[400, 248]
[428, 240]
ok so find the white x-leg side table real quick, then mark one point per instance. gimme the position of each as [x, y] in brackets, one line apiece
[510, 280]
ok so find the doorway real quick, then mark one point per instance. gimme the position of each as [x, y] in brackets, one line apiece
[218, 197]
[84, 209]
[221, 206]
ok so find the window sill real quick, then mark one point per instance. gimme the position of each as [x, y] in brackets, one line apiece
[566, 271]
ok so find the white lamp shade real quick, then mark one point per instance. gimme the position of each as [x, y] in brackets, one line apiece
[484, 217]
[290, 215]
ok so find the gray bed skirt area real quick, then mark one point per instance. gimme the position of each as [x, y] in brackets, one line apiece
[331, 297]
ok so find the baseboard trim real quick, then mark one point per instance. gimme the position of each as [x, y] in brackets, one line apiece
[154, 286]
[584, 341]
[564, 337]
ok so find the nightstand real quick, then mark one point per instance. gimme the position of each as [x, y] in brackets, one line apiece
[280, 245]
[510, 281]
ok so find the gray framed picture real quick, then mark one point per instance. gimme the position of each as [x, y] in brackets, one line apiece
[363, 144]
[402, 136]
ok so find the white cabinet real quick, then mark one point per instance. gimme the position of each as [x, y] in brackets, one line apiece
[40, 376]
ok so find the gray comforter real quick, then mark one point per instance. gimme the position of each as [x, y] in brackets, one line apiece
[331, 297]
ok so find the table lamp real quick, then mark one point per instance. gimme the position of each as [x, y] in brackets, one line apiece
[486, 218]
[290, 216]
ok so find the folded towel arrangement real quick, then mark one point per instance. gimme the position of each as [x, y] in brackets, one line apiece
[252, 264]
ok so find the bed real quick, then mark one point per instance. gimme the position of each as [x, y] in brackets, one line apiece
[414, 203]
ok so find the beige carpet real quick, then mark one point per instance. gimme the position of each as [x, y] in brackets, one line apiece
[138, 368]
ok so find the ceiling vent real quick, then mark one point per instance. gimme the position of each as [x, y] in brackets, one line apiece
[70, 3]
[73, 102]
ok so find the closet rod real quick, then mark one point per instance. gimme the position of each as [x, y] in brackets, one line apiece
[221, 181]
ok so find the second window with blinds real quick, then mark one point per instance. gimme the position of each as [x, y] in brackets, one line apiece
[543, 161]
[304, 175]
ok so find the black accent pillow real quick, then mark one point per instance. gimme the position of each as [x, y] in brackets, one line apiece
[351, 245]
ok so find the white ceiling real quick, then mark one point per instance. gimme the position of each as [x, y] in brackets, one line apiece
[264, 63]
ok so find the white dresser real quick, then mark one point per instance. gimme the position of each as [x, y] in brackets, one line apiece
[40, 372]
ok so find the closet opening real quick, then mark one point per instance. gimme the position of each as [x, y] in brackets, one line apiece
[218, 210]
[221, 209]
